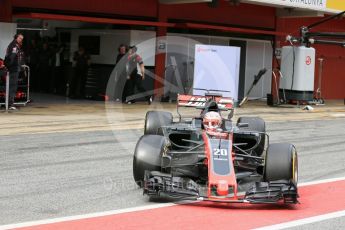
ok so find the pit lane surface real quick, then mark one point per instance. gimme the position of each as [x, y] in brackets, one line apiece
[201, 215]
[66, 167]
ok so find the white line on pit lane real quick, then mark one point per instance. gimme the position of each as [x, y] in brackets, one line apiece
[304, 221]
[309, 220]
[321, 181]
[85, 216]
[134, 209]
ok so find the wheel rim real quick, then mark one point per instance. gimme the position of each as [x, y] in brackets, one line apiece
[294, 167]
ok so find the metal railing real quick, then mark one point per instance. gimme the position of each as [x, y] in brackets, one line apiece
[7, 88]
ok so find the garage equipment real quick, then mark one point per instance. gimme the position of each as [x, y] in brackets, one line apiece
[23, 93]
[318, 96]
[298, 68]
[299, 62]
[256, 80]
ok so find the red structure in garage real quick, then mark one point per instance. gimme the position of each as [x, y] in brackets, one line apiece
[224, 17]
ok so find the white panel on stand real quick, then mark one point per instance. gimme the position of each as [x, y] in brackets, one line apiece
[259, 55]
[217, 68]
[267, 78]
[177, 68]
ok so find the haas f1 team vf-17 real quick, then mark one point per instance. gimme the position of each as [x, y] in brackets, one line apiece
[209, 157]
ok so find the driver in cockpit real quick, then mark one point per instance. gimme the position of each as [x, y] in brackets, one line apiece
[212, 121]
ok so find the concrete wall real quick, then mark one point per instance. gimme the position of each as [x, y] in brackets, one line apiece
[8, 30]
[110, 41]
[259, 55]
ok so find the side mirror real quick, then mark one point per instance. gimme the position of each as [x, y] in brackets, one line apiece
[242, 125]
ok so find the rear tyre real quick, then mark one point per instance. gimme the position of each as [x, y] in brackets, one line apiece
[281, 163]
[154, 120]
[147, 156]
[255, 124]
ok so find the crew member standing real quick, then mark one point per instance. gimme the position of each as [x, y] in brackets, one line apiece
[58, 82]
[122, 52]
[82, 63]
[14, 60]
[133, 62]
[44, 68]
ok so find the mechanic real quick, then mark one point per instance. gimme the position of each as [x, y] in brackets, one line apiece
[135, 78]
[14, 60]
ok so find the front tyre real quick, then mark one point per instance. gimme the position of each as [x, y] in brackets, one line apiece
[154, 120]
[281, 163]
[147, 156]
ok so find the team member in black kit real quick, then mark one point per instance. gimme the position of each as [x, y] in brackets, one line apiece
[122, 52]
[136, 78]
[82, 62]
[14, 60]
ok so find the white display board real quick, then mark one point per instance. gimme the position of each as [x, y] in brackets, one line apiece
[217, 68]
[8, 30]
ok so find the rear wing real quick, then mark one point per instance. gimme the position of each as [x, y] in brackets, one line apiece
[224, 103]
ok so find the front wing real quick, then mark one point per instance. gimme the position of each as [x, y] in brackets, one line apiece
[157, 184]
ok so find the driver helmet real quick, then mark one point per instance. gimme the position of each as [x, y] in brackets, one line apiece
[212, 121]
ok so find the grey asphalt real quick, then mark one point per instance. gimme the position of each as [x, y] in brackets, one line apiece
[53, 175]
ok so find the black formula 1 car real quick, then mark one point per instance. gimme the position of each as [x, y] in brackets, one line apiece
[204, 158]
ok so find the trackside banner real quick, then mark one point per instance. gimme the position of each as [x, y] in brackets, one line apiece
[319, 5]
[327, 6]
[308, 3]
[336, 5]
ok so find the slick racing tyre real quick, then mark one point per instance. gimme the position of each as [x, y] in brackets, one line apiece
[147, 156]
[255, 124]
[154, 120]
[281, 163]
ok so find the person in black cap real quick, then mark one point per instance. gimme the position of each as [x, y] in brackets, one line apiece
[136, 77]
[122, 52]
[14, 60]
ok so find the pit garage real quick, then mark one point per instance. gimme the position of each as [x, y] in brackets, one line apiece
[259, 28]
[67, 163]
